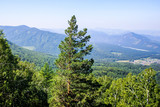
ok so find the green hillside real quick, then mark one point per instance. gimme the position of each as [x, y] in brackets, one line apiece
[39, 59]
[38, 40]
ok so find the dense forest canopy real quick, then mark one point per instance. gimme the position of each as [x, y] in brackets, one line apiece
[75, 82]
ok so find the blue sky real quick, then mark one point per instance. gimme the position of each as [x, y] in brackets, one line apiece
[106, 14]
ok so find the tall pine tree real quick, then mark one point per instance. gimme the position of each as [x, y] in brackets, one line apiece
[73, 50]
[81, 87]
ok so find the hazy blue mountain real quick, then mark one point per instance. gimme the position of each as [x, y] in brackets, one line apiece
[137, 41]
[98, 36]
[114, 47]
[153, 38]
[111, 31]
[148, 32]
[61, 31]
[128, 40]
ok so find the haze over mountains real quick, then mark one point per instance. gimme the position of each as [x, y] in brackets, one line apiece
[125, 45]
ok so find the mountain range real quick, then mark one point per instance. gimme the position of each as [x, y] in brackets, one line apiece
[33, 38]
[126, 45]
[128, 40]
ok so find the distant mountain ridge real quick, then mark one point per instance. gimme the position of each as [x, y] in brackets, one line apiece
[42, 41]
[129, 39]
[138, 41]
[123, 46]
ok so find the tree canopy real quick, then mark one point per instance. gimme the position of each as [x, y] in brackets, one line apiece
[73, 50]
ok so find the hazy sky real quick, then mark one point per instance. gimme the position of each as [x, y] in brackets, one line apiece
[112, 14]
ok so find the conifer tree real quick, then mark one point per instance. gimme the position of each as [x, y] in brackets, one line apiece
[79, 84]
[8, 63]
[73, 50]
[17, 88]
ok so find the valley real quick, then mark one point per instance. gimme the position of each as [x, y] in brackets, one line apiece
[80, 53]
[115, 59]
[144, 61]
[125, 46]
[105, 48]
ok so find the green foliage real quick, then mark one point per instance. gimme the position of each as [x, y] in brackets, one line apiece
[134, 90]
[109, 71]
[27, 93]
[79, 88]
[73, 50]
[8, 63]
[47, 73]
[39, 59]
[120, 70]
[58, 91]
[83, 91]
[17, 86]
[105, 83]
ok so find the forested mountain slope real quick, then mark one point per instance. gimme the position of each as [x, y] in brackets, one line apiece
[109, 47]
[39, 59]
[38, 40]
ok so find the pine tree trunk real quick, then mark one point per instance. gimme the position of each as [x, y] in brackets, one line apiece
[147, 96]
[68, 86]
